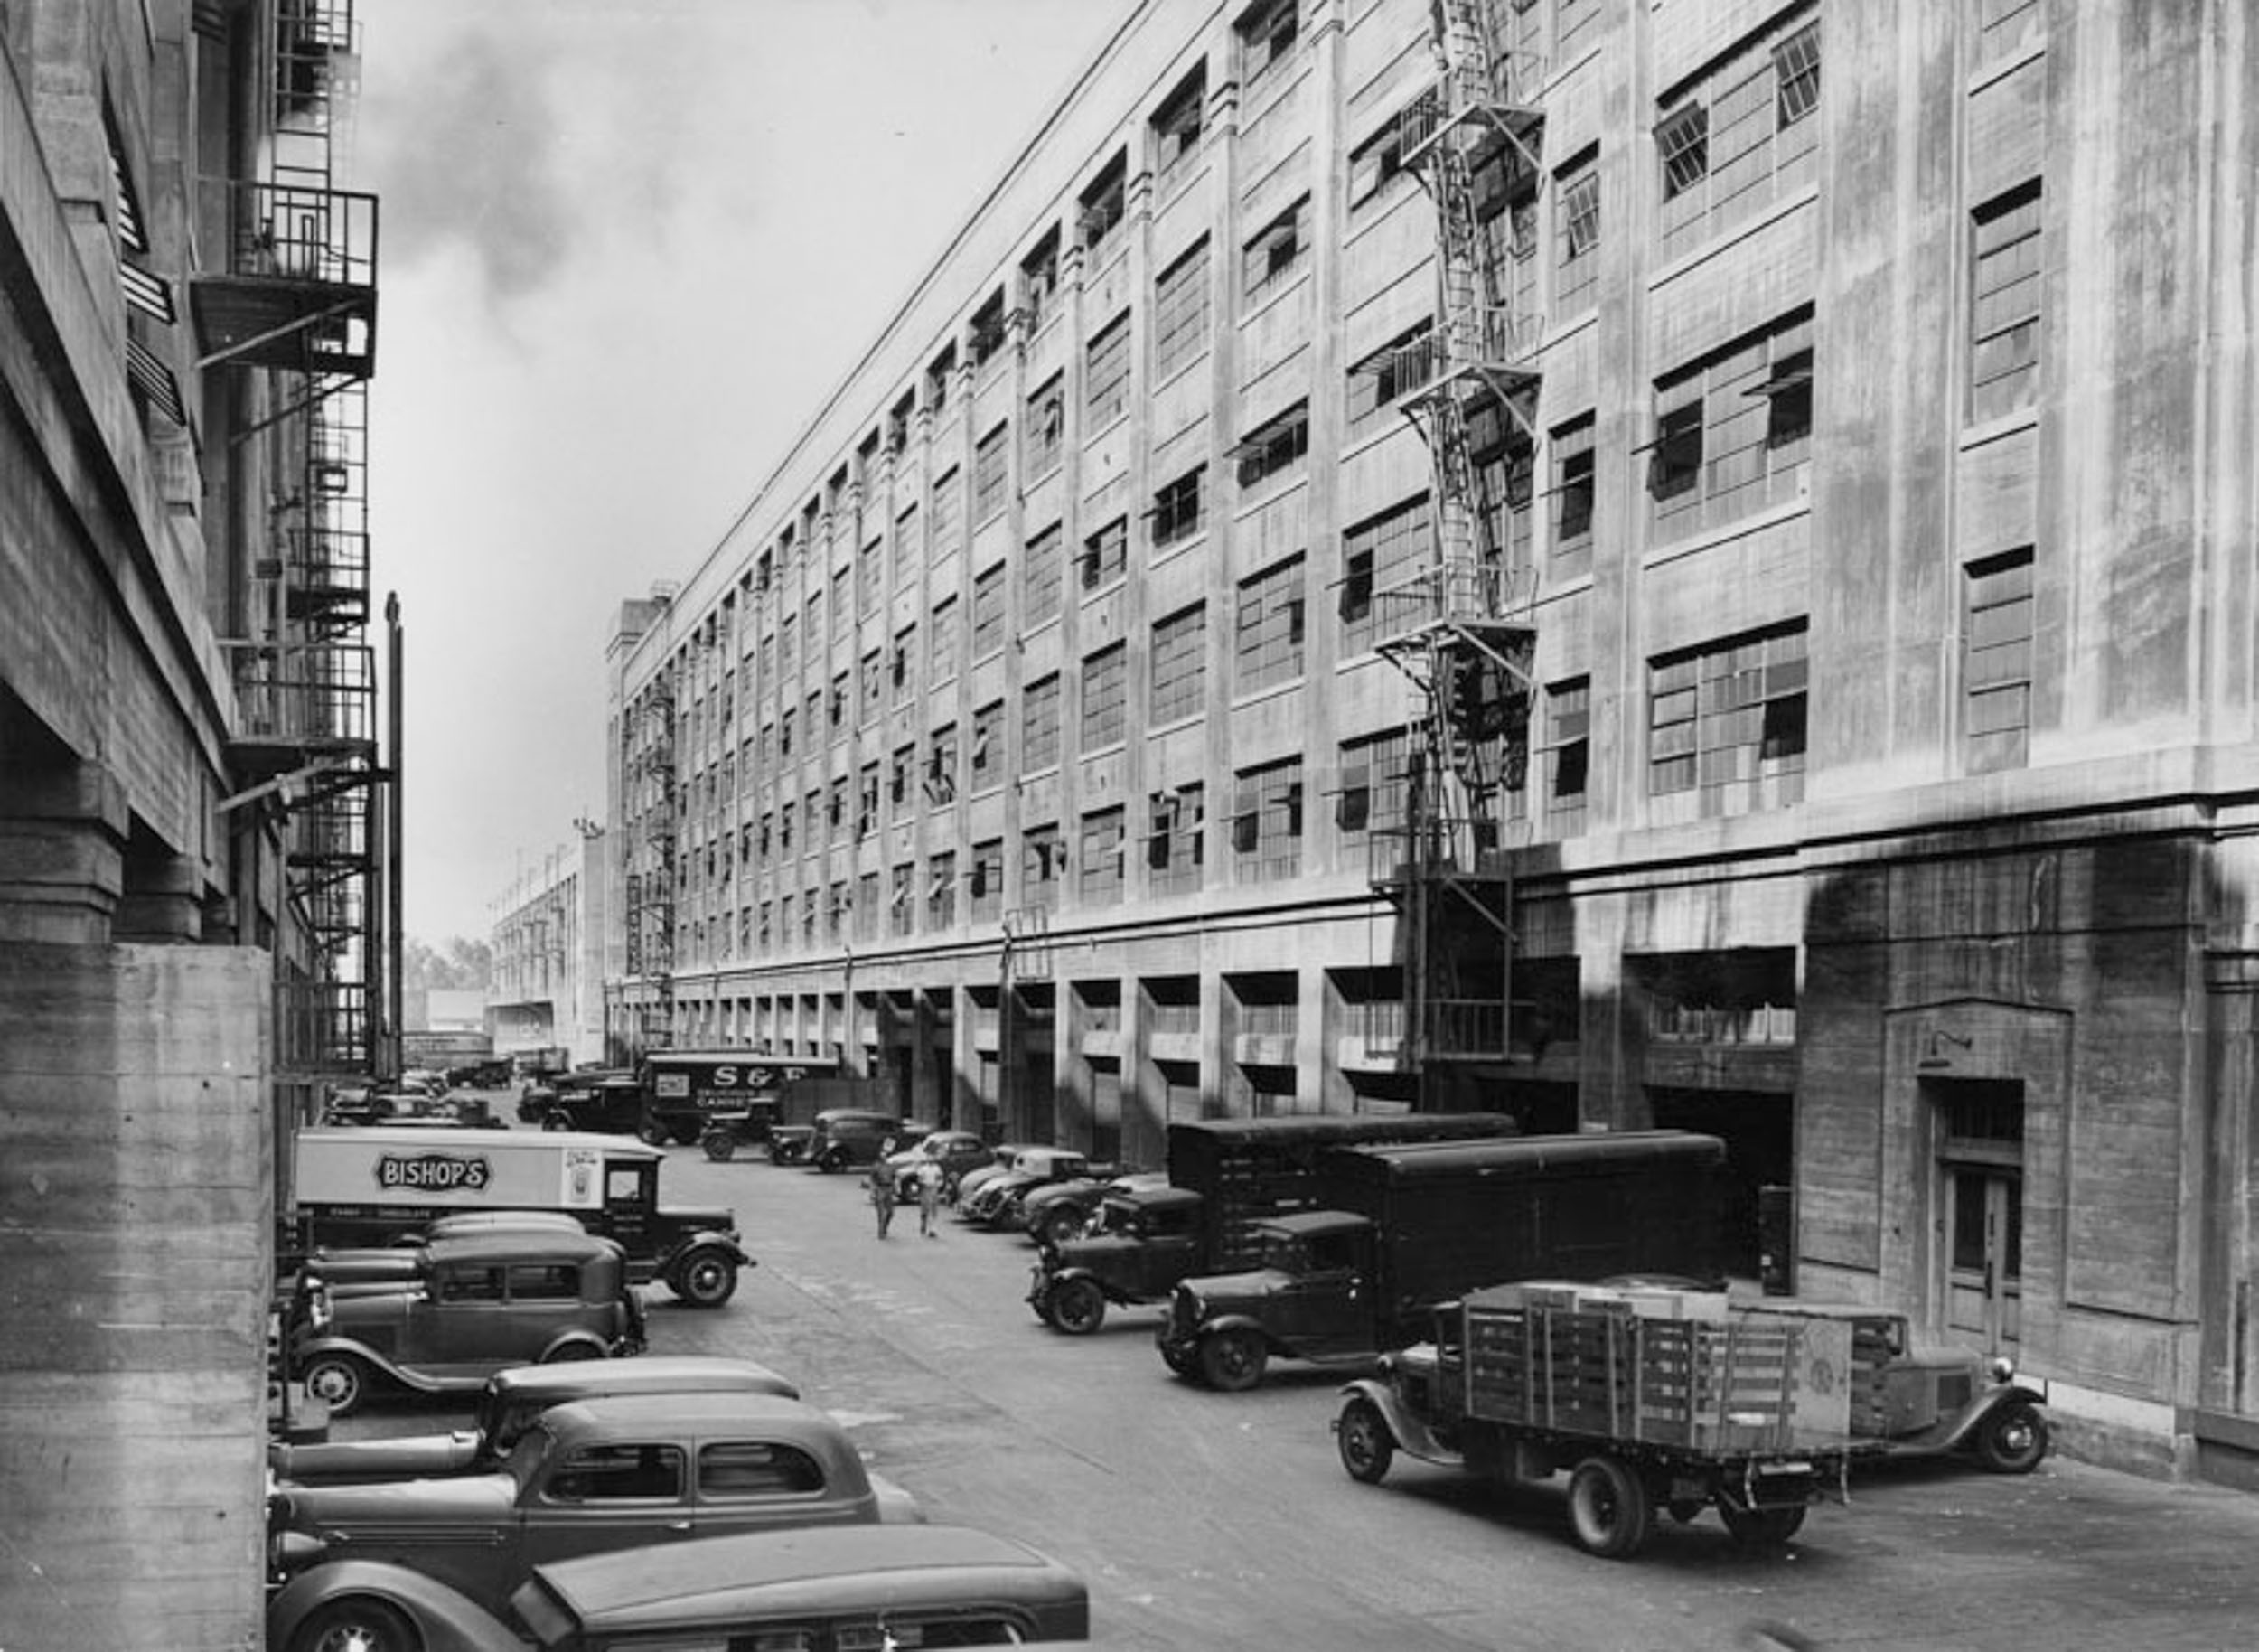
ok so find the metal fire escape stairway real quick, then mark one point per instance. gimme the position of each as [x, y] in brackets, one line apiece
[1461, 625]
[650, 918]
[293, 297]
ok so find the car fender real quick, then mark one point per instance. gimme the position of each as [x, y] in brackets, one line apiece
[699, 1244]
[1986, 1404]
[1220, 1323]
[896, 1506]
[1405, 1426]
[557, 1345]
[404, 1374]
[446, 1620]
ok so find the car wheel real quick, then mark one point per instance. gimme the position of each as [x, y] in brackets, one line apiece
[720, 1146]
[361, 1625]
[831, 1164]
[1761, 1529]
[1078, 1307]
[339, 1381]
[1364, 1442]
[1182, 1363]
[1609, 1508]
[651, 1135]
[1063, 1225]
[1232, 1361]
[566, 1351]
[2012, 1439]
[551, 1120]
[706, 1281]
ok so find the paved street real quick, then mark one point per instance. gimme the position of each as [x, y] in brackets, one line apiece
[1210, 1520]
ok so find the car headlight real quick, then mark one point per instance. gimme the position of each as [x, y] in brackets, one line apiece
[292, 1551]
[2003, 1368]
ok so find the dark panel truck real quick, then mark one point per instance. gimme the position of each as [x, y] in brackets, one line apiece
[1650, 1400]
[1224, 1176]
[375, 1184]
[689, 1093]
[1416, 1225]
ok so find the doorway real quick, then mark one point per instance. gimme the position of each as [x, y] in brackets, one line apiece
[1980, 1202]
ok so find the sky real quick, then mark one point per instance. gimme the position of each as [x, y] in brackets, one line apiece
[628, 247]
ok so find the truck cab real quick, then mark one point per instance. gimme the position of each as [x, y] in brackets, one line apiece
[1314, 1298]
[1147, 1240]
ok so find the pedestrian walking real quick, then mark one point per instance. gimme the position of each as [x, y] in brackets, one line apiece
[929, 1199]
[881, 1186]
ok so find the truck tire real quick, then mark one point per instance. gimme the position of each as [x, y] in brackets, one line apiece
[1232, 1361]
[1609, 1508]
[706, 1280]
[1363, 1438]
[1183, 1363]
[1761, 1529]
[339, 1381]
[1077, 1307]
[720, 1146]
[652, 1135]
[2012, 1439]
[360, 1624]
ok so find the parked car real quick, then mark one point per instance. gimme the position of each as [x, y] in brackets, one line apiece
[980, 1175]
[996, 1204]
[1061, 1211]
[608, 1100]
[836, 1588]
[513, 1399]
[1145, 1242]
[472, 1305]
[956, 1152]
[592, 1476]
[842, 1138]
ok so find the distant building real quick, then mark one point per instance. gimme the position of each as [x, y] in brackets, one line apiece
[1682, 563]
[547, 986]
[189, 778]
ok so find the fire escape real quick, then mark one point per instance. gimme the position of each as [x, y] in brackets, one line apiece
[293, 297]
[650, 736]
[1460, 624]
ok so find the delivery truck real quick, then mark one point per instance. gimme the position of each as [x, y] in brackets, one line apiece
[1650, 1398]
[375, 1185]
[1413, 1225]
[1224, 1174]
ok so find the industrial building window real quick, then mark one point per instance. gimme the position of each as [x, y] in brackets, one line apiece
[1578, 230]
[992, 468]
[906, 543]
[1267, 33]
[1374, 165]
[1106, 383]
[986, 878]
[1099, 856]
[811, 822]
[988, 745]
[1996, 662]
[1105, 555]
[1175, 844]
[1402, 365]
[1567, 737]
[1180, 311]
[1039, 282]
[865, 902]
[1043, 577]
[870, 575]
[1275, 253]
[941, 765]
[902, 912]
[898, 773]
[1177, 126]
[906, 650]
[1043, 864]
[1733, 432]
[1039, 725]
[1378, 556]
[985, 344]
[1103, 204]
[1726, 722]
[941, 891]
[1571, 448]
[837, 905]
[1742, 139]
[1375, 784]
[866, 800]
[784, 828]
[841, 698]
[784, 734]
[2004, 26]
[787, 646]
[987, 612]
[873, 685]
[1180, 656]
[1269, 635]
[937, 378]
[1176, 508]
[1267, 822]
[949, 503]
[836, 808]
[2004, 316]
[1045, 427]
[1275, 447]
[940, 641]
[1105, 698]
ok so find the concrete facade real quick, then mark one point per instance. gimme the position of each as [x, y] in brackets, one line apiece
[1887, 491]
[547, 986]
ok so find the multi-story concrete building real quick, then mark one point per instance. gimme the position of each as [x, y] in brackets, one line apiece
[1681, 563]
[547, 987]
[187, 771]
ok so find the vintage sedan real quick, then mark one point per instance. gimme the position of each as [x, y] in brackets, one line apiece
[837, 1589]
[1061, 1211]
[588, 1477]
[472, 1306]
[997, 1204]
[956, 1152]
[980, 1175]
[512, 1400]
